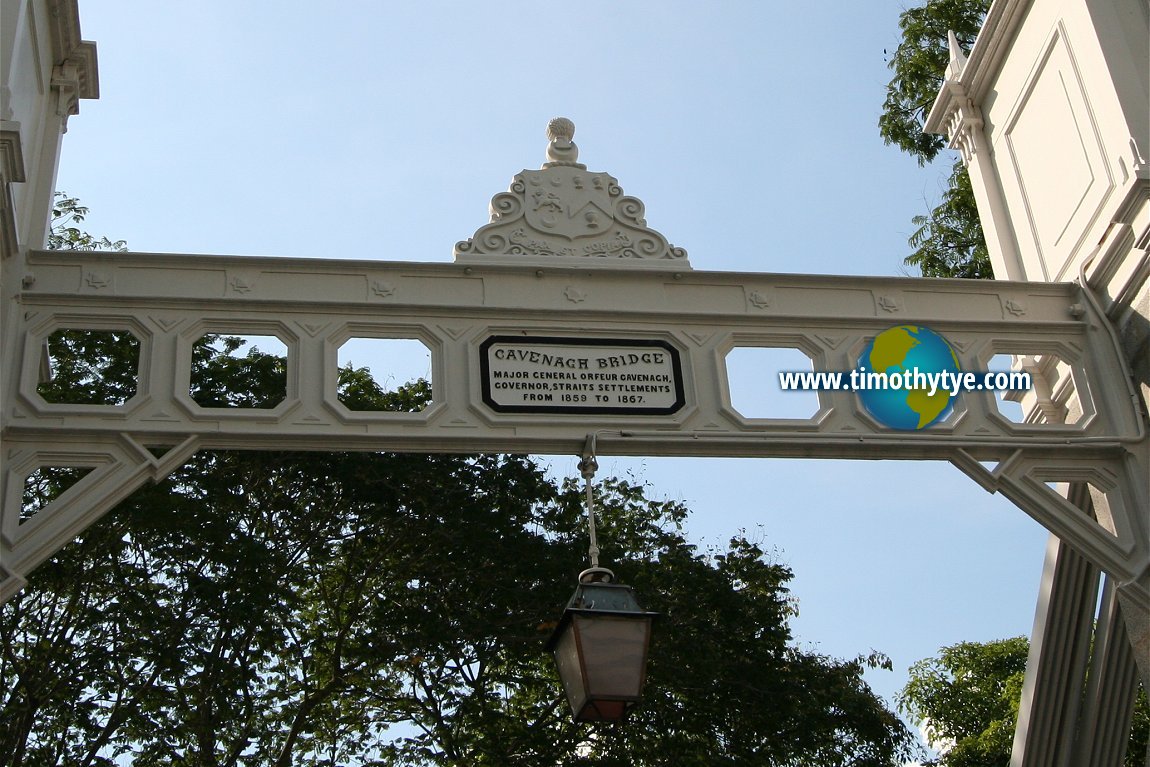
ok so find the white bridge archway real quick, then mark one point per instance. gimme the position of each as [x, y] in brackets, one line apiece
[569, 262]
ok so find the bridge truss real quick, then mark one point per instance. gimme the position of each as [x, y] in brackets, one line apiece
[168, 302]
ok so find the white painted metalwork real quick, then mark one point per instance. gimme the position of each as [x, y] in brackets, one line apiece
[564, 215]
[567, 260]
[169, 302]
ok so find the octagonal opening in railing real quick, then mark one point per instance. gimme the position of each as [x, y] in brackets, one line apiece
[239, 371]
[384, 375]
[1036, 389]
[756, 389]
[89, 367]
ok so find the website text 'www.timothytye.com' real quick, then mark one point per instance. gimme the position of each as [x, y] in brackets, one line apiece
[861, 379]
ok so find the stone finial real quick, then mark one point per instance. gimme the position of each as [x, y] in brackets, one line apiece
[561, 150]
[565, 214]
[560, 129]
[957, 61]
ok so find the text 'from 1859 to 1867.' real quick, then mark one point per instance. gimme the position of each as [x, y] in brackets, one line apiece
[522, 374]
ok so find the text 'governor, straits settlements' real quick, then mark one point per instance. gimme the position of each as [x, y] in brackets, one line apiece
[581, 375]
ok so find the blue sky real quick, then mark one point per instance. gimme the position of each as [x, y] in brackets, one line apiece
[380, 130]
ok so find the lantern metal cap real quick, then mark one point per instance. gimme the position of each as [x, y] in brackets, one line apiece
[598, 598]
[596, 575]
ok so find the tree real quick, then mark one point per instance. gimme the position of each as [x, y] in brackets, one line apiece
[390, 609]
[967, 701]
[67, 212]
[948, 241]
[287, 608]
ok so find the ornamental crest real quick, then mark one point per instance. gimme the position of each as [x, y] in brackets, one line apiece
[568, 202]
[562, 213]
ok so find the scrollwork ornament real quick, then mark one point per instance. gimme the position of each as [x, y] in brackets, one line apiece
[506, 206]
[490, 242]
[631, 209]
[564, 211]
[651, 248]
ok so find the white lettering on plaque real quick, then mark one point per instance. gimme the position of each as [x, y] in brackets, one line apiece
[606, 376]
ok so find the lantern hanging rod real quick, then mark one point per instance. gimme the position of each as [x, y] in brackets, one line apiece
[588, 466]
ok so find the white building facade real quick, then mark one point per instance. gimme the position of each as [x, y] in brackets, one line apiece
[1050, 112]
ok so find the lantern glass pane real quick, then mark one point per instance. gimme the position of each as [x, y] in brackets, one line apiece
[614, 654]
[570, 672]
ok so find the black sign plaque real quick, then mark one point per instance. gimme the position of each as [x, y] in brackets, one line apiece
[595, 376]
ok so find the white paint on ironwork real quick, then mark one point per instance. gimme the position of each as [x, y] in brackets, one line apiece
[563, 214]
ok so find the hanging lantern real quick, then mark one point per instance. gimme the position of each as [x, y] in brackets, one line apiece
[600, 644]
[600, 647]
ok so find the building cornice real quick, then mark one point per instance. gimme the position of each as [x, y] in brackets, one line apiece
[967, 83]
[74, 64]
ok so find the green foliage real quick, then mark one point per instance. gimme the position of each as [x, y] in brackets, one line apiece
[949, 240]
[358, 391]
[263, 609]
[64, 234]
[919, 66]
[968, 696]
[47, 483]
[967, 700]
[91, 367]
[102, 366]
[254, 606]
[1138, 749]
[220, 378]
